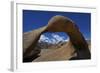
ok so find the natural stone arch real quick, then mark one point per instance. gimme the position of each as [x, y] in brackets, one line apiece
[59, 24]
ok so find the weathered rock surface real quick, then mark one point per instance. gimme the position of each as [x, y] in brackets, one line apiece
[76, 49]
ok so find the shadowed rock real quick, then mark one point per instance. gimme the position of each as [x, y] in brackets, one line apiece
[57, 24]
[30, 40]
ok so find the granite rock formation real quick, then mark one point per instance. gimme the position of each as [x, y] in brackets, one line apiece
[56, 24]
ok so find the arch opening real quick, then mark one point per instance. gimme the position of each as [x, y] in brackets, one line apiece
[53, 38]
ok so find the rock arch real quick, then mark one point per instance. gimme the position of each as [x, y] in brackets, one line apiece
[57, 24]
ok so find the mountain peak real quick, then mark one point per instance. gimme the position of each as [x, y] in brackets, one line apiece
[52, 39]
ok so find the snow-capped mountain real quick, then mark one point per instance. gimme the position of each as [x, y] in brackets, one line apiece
[53, 39]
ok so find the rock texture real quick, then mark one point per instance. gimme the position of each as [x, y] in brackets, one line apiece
[30, 40]
[77, 49]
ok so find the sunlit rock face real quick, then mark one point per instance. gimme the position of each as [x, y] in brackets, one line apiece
[77, 48]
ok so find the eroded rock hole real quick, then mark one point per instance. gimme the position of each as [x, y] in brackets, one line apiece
[50, 41]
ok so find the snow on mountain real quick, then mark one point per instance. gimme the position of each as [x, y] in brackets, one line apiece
[44, 38]
[52, 39]
[58, 38]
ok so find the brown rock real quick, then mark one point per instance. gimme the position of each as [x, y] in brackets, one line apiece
[57, 24]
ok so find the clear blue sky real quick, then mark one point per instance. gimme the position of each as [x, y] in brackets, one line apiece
[36, 19]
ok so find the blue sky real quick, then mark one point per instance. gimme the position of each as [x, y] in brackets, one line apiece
[35, 19]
